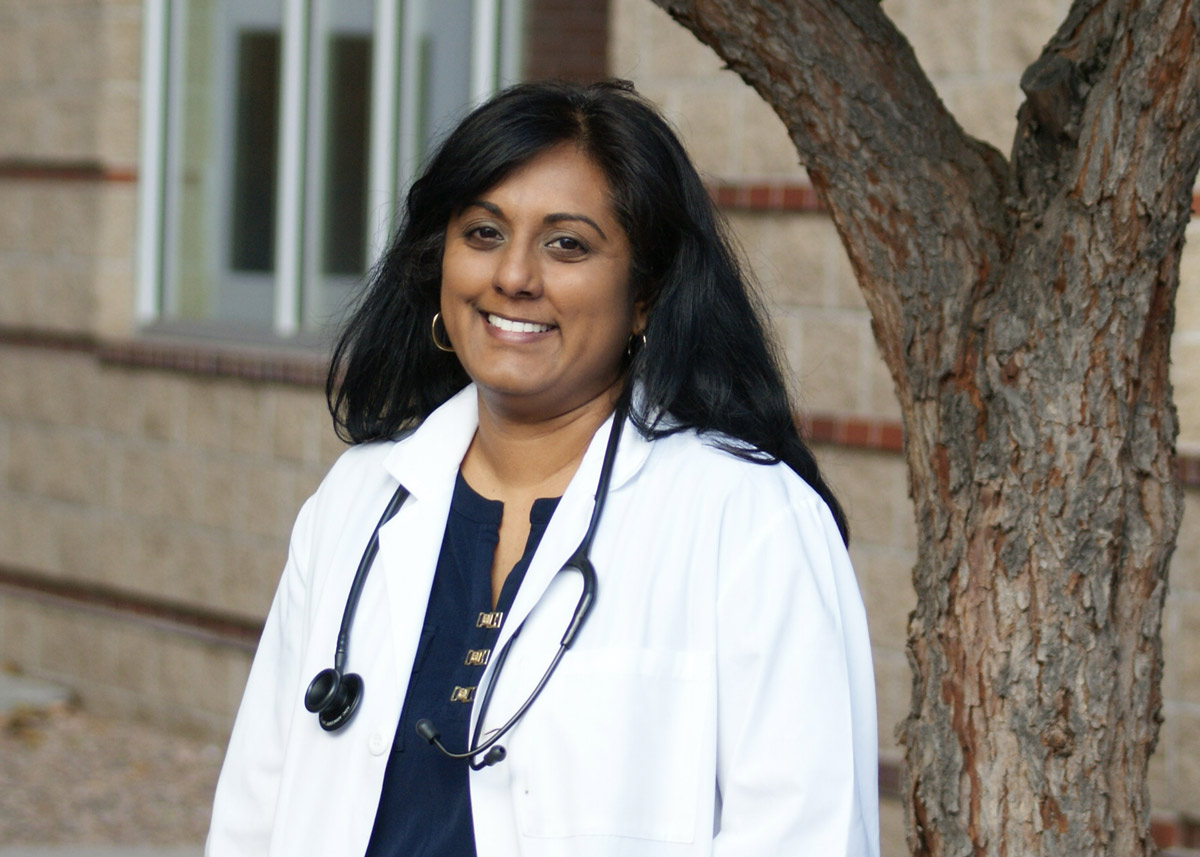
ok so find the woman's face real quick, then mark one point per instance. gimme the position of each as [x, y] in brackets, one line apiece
[536, 292]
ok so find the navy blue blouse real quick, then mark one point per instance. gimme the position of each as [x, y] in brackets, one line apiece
[425, 806]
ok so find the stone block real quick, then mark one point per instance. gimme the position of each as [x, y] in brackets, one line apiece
[227, 416]
[882, 402]
[163, 406]
[12, 51]
[18, 196]
[120, 39]
[63, 218]
[1185, 758]
[331, 446]
[113, 286]
[1181, 649]
[221, 486]
[66, 49]
[872, 487]
[70, 646]
[893, 691]
[155, 482]
[671, 51]
[789, 255]
[20, 637]
[1187, 299]
[116, 227]
[834, 353]
[986, 110]
[1016, 30]
[947, 35]
[892, 842]
[194, 675]
[763, 147]
[58, 389]
[1185, 563]
[69, 465]
[62, 297]
[118, 402]
[298, 417]
[845, 292]
[885, 580]
[116, 127]
[267, 500]
[252, 575]
[94, 546]
[67, 121]
[1185, 374]
[136, 659]
[626, 28]
[196, 564]
[19, 120]
[16, 283]
[704, 117]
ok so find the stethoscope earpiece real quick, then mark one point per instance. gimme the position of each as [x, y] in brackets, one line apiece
[334, 698]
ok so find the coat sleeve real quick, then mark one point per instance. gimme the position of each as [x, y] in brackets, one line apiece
[797, 742]
[249, 784]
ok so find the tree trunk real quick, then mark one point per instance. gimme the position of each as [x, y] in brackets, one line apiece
[1024, 309]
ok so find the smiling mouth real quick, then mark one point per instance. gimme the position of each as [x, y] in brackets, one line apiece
[516, 326]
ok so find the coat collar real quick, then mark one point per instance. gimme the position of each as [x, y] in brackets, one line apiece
[426, 461]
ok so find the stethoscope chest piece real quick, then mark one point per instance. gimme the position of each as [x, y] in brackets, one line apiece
[333, 697]
[334, 694]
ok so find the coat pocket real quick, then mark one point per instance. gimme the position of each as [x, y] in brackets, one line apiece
[612, 748]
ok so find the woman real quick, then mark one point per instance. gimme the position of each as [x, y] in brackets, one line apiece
[560, 265]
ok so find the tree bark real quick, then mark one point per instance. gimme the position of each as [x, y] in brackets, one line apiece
[1024, 308]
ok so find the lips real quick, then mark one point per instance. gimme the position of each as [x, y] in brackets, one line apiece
[511, 326]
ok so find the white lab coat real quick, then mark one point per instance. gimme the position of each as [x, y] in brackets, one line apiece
[718, 701]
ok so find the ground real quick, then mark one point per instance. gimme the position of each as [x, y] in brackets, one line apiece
[67, 776]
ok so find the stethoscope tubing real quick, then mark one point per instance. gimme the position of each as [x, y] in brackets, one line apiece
[334, 695]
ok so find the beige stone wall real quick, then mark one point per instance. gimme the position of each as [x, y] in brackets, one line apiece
[160, 484]
[69, 87]
[69, 72]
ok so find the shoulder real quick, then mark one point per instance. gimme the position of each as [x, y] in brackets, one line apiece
[703, 465]
[357, 482]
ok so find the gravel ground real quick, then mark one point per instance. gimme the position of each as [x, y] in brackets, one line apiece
[67, 776]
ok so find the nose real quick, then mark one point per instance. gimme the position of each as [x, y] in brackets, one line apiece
[517, 274]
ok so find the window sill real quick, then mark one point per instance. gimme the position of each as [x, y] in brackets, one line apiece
[300, 361]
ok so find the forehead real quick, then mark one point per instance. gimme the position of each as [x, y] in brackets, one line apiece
[562, 178]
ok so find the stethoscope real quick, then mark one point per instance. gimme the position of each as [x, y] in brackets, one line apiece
[334, 694]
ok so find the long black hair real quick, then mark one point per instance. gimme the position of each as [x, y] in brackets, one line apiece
[709, 363]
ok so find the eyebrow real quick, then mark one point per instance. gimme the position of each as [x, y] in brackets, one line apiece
[555, 217]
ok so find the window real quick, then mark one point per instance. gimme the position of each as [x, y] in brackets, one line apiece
[279, 135]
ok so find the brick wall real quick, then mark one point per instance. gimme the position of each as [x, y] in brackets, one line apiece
[566, 39]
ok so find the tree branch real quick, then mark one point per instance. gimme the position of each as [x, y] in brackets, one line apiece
[897, 172]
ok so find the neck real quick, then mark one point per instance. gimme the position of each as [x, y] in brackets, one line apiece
[513, 456]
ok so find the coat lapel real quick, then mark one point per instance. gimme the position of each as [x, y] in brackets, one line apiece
[563, 535]
[425, 463]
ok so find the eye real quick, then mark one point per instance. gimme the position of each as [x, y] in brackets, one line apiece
[482, 234]
[567, 245]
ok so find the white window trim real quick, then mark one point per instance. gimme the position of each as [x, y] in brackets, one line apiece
[395, 70]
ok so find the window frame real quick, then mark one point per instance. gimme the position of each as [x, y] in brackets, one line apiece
[393, 136]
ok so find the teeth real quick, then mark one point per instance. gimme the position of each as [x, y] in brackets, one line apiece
[516, 326]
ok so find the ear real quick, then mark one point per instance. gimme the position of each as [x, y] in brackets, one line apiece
[641, 317]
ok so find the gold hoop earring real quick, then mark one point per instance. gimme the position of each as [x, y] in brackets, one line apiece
[433, 334]
[634, 337]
